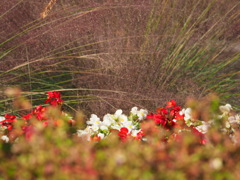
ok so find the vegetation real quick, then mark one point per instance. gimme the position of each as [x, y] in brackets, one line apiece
[106, 55]
[117, 54]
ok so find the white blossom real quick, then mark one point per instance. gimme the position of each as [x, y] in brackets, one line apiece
[134, 110]
[118, 113]
[94, 120]
[103, 127]
[116, 126]
[129, 125]
[234, 119]
[203, 128]
[225, 109]
[94, 127]
[101, 135]
[5, 138]
[108, 120]
[142, 114]
[2, 118]
[122, 118]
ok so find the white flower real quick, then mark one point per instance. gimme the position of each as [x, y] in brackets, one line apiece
[86, 131]
[101, 135]
[5, 138]
[103, 127]
[187, 113]
[122, 118]
[129, 125]
[142, 114]
[134, 110]
[116, 126]
[203, 128]
[94, 120]
[94, 127]
[2, 118]
[225, 109]
[234, 119]
[118, 113]
[108, 120]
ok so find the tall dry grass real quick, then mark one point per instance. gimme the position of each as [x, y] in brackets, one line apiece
[111, 54]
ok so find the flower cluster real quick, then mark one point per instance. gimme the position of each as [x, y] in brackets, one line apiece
[7, 121]
[39, 113]
[231, 122]
[54, 98]
[127, 126]
[168, 117]
[173, 118]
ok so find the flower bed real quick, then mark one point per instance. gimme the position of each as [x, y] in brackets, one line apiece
[179, 142]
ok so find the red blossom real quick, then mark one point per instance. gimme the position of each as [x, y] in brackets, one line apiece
[162, 111]
[123, 134]
[39, 112]
[171, 104]
[8, 121]
[95, 138]
[54, 98]
[172, 118]
[140, 135]
[158, 119]
[27, 116]
[179, 117]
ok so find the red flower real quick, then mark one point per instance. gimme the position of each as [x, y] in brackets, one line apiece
[171, 104]
[175, 110]
[158, 119]
[27, 116]
[124, 130]
[162, 111]
[8, 121]
[179, 117]
[54, 98]
[123, 133]
[140, 135]
[39, 112]
[54, 95]
[55, 102]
